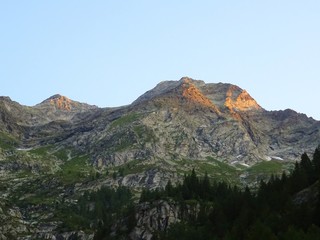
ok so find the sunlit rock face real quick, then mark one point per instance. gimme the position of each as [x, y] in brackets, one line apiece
[190, 92]
[240, 102]
[62, 102]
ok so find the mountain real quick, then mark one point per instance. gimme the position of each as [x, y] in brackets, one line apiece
[54, 108]
[59, 149]
[59, 107]
[189, 119]
[221, 96]
[176, 120]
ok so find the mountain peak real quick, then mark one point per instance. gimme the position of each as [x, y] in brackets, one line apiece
[59, 102]
[63, 103]
[184, 89]
[219, 96]
[164, 88]
[186, 80]
[5, 98]
[54, 97]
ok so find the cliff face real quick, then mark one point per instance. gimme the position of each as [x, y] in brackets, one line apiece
[159, 216]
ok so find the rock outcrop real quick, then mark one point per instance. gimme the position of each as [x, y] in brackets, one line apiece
[159, 216]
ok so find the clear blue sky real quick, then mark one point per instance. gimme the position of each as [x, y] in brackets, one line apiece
[108, 53]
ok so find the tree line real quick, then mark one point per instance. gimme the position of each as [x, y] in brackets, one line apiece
[227, 212]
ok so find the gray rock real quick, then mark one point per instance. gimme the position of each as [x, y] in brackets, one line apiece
[159, 216]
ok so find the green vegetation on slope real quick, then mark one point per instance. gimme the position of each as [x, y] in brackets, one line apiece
[216, 170]
[144, 134]
[125, 120]
[76, 170]
[132, 167]
[267, 167]
[7, 142]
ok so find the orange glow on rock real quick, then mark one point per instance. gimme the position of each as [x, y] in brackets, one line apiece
[243, 102]
[190, 92]
[62, 103]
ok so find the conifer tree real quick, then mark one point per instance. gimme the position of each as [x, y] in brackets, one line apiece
[306, 166]
[316, 161]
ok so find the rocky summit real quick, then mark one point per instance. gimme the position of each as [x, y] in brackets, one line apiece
[189, 119]
[59, 149]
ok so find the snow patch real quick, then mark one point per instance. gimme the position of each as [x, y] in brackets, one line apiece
[244, 164]
[24, 149]
[267, 158]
